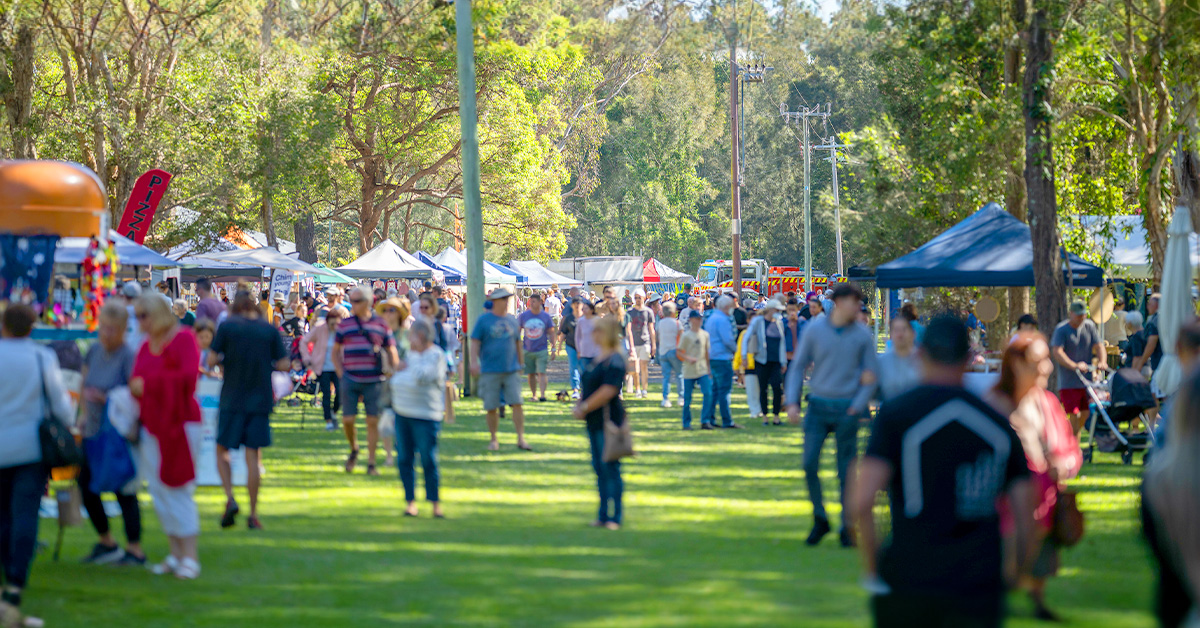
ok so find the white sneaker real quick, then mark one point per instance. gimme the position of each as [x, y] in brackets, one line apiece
[188, 569]
[168, 565]
[666, 403]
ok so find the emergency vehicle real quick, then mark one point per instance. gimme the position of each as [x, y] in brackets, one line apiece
[758, 276]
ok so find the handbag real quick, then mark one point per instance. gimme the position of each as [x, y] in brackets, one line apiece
[618, 439]
[110, 462]
[59, 448]
[1067, 528]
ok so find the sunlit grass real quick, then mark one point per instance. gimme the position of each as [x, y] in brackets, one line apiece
[715, 527]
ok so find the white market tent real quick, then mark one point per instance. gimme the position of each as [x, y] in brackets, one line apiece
[457, 262]
[539, 276]
[263, 257]
[387, 261]
[129, 253]
[1127, 245]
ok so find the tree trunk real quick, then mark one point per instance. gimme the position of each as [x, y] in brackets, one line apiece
[16, 89]
[266, 214]
[1186, 165]
[1039, 173]
[1155, 223]
[304, 231]
[1014, 183]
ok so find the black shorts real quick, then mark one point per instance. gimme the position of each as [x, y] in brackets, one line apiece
[243, 429]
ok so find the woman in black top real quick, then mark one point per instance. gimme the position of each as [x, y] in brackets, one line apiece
[602, 380]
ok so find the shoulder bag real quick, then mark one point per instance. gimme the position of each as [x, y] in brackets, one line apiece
[618, 439]
[59, 448]
[1067, 528]
[375, 348]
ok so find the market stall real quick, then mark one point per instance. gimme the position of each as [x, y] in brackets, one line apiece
[991, 248]
[658, 277]
[457, 261]
[453, 278]
[42, 202]
[388, 261]
[538, 276]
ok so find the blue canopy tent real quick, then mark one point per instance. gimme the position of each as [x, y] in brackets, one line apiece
[991, 248]
[453, 277]
[516, 276]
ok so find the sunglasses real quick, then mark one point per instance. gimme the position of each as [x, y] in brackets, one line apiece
[141, 316]
[357, 300]
[424, 307]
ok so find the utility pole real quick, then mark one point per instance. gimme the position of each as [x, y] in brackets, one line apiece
[735, 132]
[802, 116]
[833, 147]
[469, 120]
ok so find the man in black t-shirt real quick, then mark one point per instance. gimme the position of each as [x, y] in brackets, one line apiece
[945, 458]
[248, 349]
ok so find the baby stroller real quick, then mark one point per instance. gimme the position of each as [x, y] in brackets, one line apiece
[1129, 396]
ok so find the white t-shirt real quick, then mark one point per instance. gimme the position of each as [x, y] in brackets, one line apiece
[667, 330]
[554, 306]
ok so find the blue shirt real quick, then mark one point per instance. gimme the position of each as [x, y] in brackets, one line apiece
[720, 331]
[536, 327]
[497, 338]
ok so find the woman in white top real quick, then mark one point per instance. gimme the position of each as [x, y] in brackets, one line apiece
[31, 387]
[418, 401]
[668, 330]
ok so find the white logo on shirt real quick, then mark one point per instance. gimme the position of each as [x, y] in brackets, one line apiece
[975, 483]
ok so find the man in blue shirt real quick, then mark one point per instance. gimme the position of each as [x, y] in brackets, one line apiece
[495, 360]
[724, 344]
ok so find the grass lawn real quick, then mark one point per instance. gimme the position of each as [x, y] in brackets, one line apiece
[714, 536]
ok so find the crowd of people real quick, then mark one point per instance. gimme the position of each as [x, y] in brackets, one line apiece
[975, 482]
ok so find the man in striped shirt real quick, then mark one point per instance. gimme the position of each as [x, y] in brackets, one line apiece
[362, 346]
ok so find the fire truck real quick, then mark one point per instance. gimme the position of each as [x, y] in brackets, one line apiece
[757, 276]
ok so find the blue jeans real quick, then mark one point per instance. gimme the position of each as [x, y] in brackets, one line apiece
[608, 479]
[825, 416]
[722, 374]
[574, 367]
[672, 367]
[20, 497]
[417, 436]
[706, 411]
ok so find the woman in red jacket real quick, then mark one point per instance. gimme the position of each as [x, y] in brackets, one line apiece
[164, 381]
[1051, 449]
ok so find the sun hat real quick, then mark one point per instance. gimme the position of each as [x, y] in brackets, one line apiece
[499, 293]
[392, 302]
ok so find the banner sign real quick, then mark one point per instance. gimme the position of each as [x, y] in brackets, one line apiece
[281, 282]
[143, 202]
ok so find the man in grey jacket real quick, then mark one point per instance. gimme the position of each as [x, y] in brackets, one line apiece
[842, 354]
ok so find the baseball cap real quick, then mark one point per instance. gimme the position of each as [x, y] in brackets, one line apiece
[332, 291]
[653, 298]
[694, 314]
[131, 290]
[499, 293]
[1078, 308]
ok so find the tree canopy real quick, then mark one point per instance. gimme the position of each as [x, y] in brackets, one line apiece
[605, 126]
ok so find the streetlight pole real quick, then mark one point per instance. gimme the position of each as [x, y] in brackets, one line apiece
[469, 120]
